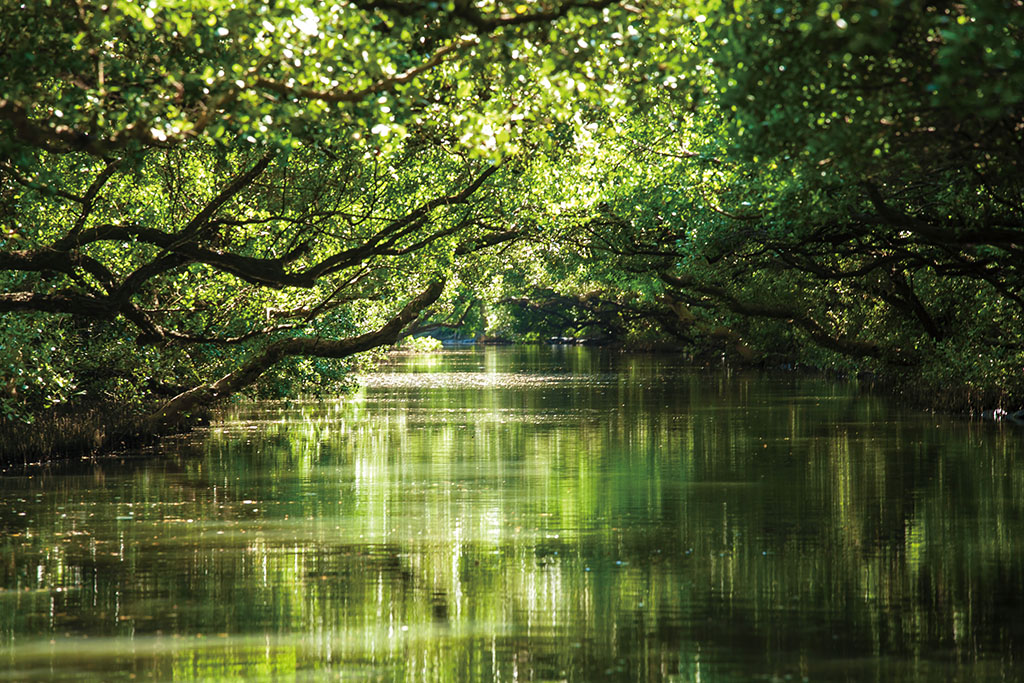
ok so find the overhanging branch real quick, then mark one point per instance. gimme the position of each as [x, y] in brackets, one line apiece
[206, 394]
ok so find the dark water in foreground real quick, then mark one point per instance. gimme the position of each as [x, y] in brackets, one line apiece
[531, 515]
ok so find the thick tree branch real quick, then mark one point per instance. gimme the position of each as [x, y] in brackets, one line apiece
[994, 233]
[17, 177]
[63, 138]
[206, 394]
[844, 345]
[57, 302]
[182, 247]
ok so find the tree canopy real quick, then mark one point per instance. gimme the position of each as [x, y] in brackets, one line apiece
[202, 198]
[839, 186]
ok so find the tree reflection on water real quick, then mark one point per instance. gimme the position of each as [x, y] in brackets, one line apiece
[533, 514]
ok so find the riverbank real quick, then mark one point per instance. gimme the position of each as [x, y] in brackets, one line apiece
[67, 433]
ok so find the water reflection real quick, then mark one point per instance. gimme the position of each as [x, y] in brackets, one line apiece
[530, 514]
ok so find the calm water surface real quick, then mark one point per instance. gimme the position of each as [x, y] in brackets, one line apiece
[530, 514]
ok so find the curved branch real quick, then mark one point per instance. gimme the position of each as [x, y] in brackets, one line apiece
[183, 248]
[61, 139]
[844, 345]
[58, 302]
[205, 395]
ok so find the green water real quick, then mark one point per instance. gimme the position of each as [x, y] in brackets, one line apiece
[530, 514]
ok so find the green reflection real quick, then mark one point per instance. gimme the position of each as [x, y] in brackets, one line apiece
[530, 514]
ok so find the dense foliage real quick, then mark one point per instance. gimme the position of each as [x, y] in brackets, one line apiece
[204, 198]
[837, 186]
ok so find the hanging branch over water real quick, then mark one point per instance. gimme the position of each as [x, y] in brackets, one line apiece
[202, 396]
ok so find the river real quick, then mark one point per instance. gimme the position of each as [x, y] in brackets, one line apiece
[530, 514]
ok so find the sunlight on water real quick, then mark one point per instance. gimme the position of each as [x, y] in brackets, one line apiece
[529, 514]
[475, 380]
